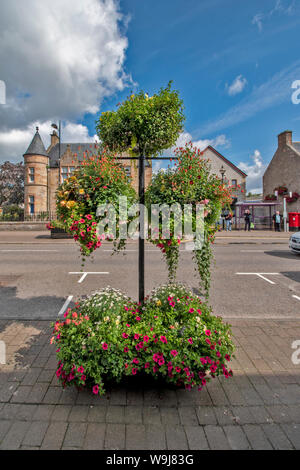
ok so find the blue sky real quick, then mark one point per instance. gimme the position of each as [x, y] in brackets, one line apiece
[205, 47]
[232, 61]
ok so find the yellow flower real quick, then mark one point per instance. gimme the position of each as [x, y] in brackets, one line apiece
[158, 303]
[63, 203]
[81, 191]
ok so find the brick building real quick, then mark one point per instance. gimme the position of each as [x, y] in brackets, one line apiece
[46, 169]
[284, 170]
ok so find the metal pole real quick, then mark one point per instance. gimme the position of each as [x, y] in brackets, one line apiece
[284, 214]
[141, 228]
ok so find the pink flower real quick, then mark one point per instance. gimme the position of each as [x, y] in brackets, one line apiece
[190, 340]
[207, 332]
[174, 352]
[134, 371]
[125, 335]
[104, 346]
[147, 365]
[163, 339]
[146, 339]
[96, 389]
[178, 369]
[136, 336]
[191, 310]
[138, 318]
[135, 361]
[80, 369]
[227, 357]
[161, 361]
[126, 350]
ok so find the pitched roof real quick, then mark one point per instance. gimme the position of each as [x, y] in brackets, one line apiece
[226, 160]
[36, 147]
[76, 149]
[296, 145]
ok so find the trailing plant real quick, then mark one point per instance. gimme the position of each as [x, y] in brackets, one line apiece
[99, 180]
[192, 182]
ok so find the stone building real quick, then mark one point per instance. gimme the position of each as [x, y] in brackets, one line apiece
[46, 169]
[235, 177]
[284, 171]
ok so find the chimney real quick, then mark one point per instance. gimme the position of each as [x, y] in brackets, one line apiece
[285, 138]
[54, 139]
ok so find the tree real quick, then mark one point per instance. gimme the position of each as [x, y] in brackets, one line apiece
[143, 124]
[12, 183]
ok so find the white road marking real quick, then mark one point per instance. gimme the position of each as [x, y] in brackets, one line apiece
[31, 251]
[296, 297]
[64, 308]
[260, 275]
[84, 275]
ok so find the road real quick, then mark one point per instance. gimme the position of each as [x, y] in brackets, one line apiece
[248, 280]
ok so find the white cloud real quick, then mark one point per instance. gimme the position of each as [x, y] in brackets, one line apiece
[271, 93]
[255, 172]
[186, 137]
[280, 7]
[59, 60]
[257, 20]
[14, 143]
[237, 85]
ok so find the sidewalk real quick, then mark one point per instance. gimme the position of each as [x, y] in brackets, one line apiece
[259, 408]
[28, 237]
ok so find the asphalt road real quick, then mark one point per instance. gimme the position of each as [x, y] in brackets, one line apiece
[36, 281]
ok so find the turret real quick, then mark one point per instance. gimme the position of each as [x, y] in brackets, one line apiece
[36, 162]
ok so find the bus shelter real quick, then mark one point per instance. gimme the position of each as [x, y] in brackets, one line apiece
[261, 214]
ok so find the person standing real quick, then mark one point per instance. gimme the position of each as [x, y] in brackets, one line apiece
[277, 221]
[228, 220]
[247, 220]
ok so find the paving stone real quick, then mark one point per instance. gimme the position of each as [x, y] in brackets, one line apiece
[206, 415]
[36, 393]
[31, 376]
[115, 437]
[68, 396]
[43, 412]
[20, 394]
[26, 412]
[54, 436]
[97, 414]
[196, 438]
[216, 438]
[61, 412]
[151, 415]
[46, 376]
[35, 434]
[135, 397]
[4, 427]
[260, 415]
[15, 435]
[176, 438]
[256, 437]
[133, 414]
[118, 396]
[135, 437]
[75, 435]
[95, 435]
[277, 437]
[242, 415]
[236, 437]
[78, 414]
[188, 416]
[115, 414]
[155, 438]
[279, 413]
[169, 415]
[292, 431]
[9, 411]
[224, 415]
[7, 392]
[52, 396]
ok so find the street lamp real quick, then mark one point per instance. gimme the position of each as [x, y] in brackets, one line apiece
[223, 171]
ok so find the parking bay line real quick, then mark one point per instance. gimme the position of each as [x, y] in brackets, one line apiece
[296, 297]
[84, 275]
[260, 275]
[64, 307]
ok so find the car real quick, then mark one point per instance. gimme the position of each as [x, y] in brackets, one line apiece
[294, 243]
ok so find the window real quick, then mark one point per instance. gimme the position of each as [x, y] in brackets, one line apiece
[31, 204]
[31, 175]
[66, 172]
[128, 171]
[234, 183]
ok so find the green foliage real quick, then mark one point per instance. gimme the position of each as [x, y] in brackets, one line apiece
[189, 182]
[173, 337]
[143, 124]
